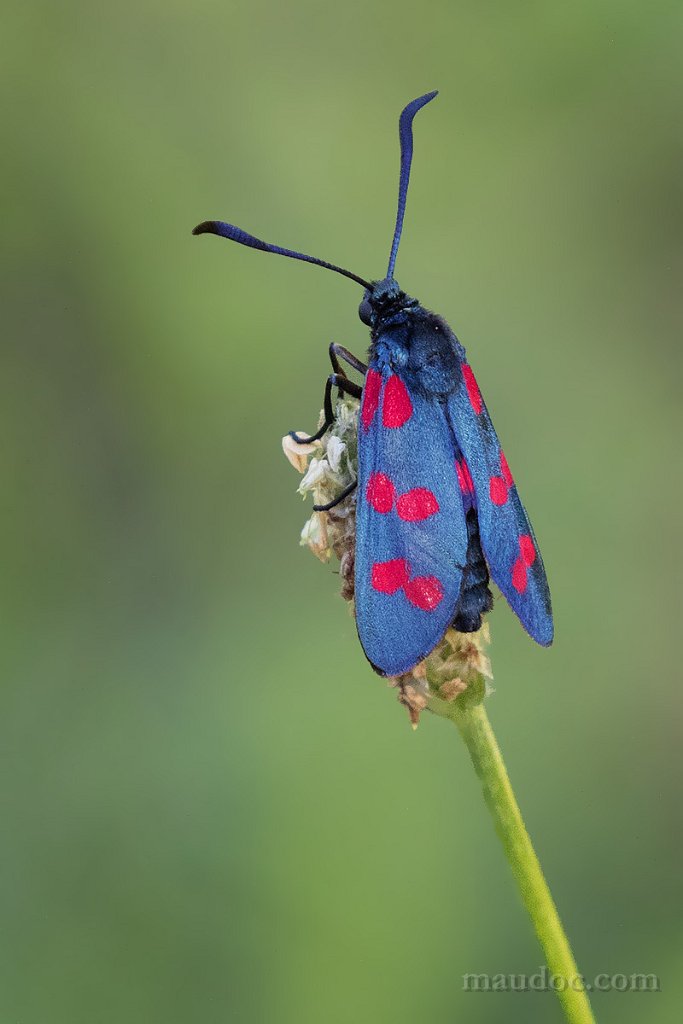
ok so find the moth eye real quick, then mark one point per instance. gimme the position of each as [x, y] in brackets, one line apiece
[365, 313]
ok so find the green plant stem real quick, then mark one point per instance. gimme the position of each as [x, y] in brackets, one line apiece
[475, 728]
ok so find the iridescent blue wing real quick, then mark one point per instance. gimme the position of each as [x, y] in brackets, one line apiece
[411, 539]
[507, 538]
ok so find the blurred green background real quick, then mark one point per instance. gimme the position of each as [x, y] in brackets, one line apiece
[212, 810]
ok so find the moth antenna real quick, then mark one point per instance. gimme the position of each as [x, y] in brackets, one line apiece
[218, 227]
[405, 134]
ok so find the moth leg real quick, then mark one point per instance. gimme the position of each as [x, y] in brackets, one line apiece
[338, 352]
[336, 501]
[345, 386]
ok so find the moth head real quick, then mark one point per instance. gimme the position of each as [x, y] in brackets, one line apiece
[385, 298]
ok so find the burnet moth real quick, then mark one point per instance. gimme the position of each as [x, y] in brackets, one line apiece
[437, 509]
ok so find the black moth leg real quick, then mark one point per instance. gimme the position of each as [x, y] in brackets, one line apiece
[339, 380]
[336, 379]
[337, 501]
[338, 352]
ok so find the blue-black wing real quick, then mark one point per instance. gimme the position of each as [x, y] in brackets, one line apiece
[507, 538]
[411, 539]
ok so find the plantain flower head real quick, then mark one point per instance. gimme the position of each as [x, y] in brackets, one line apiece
[458, 668]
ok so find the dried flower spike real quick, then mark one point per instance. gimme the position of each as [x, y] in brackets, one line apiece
[328, 466]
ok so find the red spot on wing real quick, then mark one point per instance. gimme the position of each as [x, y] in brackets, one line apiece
[388, 577]
[425, 592]
[416, 505]
[519, 579]
[370, 403]
[498, 490]
[464, 477]
[397, 408]
[473, 391]
[380, 493]
[527, 557]
[505, 470]
[528, 549]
